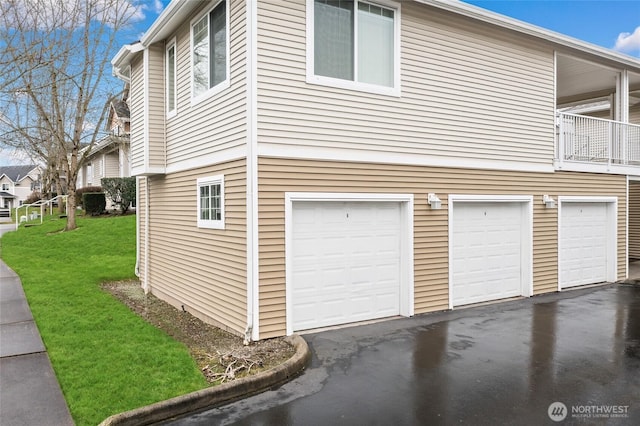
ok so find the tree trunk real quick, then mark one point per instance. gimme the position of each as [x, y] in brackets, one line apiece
[72, 175]
[54, 97]
[71, 208]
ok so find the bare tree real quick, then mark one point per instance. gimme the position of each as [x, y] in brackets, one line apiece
[54, 59]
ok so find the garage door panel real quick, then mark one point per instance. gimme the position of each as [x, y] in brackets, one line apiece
[584, 243]
[487, 247]
[349, 254]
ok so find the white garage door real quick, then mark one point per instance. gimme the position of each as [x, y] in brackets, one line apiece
[583, 243]
[346, 262]
[487, 251]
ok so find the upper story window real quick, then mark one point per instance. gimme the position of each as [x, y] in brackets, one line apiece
[210, 52]
[5, 186]
[211, 202]
[354, 44]
[171, 78]
[89, 173]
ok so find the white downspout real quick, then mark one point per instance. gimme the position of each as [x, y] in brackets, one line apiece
[145, 282]
[252, 331]
[626, 234]
[137, 267]
[146, 161]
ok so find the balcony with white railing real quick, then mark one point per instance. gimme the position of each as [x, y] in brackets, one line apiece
[589, 144]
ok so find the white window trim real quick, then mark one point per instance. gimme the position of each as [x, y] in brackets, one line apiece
[354, 85]
[174, 111]
[205, 181]
[223, 84]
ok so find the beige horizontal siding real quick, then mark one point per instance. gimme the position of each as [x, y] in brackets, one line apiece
[98, 165]
[112, 164]
[156, 124]
[463, 86]
[136, 112]
[202, 269]
[634, 220]
[217, 124]
[431, 251]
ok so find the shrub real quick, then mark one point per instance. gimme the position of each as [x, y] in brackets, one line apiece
[33, 197]
[94, 203]
[81, 191]
[121, 191]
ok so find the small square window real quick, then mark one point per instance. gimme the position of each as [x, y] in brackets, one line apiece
[211, 202]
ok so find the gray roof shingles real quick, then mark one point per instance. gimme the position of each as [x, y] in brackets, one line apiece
[16, 173]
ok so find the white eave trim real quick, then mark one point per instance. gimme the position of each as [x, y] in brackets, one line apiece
[497, 19]
[170, 18]
[123, 58]
[168, 21]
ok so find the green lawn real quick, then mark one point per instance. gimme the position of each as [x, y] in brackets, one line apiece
[107, 359]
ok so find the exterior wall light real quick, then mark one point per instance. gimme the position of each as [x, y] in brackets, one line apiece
[434, 201]
[549, 202]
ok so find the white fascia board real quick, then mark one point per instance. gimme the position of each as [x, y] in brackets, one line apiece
[123, 59]
[586, 167]
[97, 146]
[120, 56]
[497, 19]
[169, 20]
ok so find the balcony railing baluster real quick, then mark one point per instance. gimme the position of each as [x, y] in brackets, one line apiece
[587, 139]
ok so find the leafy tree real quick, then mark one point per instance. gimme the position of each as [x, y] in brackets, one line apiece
[54, 56]
[121, 191]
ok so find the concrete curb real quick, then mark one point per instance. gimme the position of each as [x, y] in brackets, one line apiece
[216, 395]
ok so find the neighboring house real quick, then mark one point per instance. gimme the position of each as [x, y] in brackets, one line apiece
[294, 173]
[109, 157]
[17, 183]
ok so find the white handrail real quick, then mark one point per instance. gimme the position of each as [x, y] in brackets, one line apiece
[41, 204]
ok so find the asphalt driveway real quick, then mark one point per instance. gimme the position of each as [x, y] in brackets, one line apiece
[506, 363]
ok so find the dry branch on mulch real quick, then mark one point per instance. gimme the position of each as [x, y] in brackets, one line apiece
[232, 365]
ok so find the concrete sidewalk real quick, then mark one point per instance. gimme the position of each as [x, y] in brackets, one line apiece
[29, 391]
